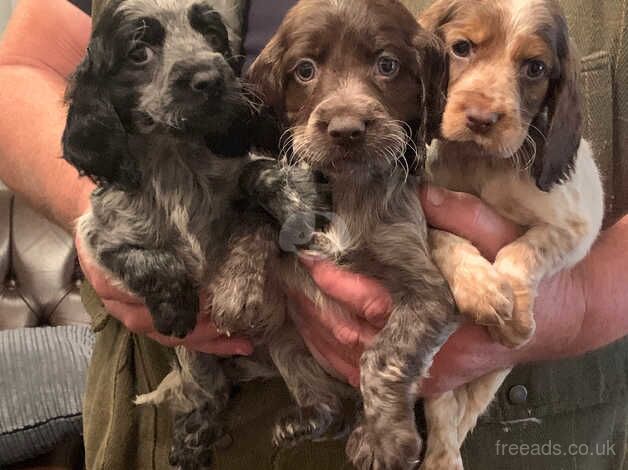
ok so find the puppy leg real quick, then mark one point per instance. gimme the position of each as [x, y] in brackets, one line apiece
[197, 405]
[161, 279]
[390, 372]
[318, 396]
[443, 415]
[422, 319]
[480, 291]
[541, 251]
[245, 294]
[294, 196]
[452, 415]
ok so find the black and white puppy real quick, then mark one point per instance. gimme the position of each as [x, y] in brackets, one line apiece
[160, 121]
[155, 110]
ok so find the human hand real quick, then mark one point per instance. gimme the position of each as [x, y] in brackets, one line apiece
[470, 353]
[134, 315]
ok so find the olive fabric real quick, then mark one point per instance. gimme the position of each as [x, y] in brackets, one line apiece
[118, 434]
[564, 415]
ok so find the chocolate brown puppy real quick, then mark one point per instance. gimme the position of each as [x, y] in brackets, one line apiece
[355, 82]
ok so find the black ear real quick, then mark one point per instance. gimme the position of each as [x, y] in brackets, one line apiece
[562, 122]
[95, 140]
[257, 128]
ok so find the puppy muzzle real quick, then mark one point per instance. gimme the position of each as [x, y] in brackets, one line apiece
[195, 83]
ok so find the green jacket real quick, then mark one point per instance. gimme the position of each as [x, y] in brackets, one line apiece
[571, 414]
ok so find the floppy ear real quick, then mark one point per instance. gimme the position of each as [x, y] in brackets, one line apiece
[563, 120]
[434, 61]
[434, 76]
[95, 140]
[266, 76]
[437, 15]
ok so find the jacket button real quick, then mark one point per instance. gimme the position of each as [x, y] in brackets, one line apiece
[518, 394]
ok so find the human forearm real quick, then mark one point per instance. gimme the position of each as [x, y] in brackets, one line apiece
[605, 272]
[42, 45]
[577, 310]
[30, 150]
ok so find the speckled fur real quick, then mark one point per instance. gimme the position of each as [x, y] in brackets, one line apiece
[377, 228]
[532, 167]
[171, 216]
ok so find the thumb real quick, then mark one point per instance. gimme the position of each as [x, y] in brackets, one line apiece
[468, 217]
[365, 297]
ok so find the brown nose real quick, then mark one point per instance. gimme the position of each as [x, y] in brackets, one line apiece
[481, 121]
[346, 129]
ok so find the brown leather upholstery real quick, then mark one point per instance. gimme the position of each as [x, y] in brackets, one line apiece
[39, 275]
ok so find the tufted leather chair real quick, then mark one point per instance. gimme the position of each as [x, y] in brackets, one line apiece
[39, 274]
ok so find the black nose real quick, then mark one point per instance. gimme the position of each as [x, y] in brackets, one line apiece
[481, 121]
[208, 82]
[346, 129]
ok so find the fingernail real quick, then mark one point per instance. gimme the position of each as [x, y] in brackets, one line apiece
[354, 381]
[435, 196]
[244, 351]
[309, 259]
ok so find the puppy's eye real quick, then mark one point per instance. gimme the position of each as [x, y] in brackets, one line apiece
[141, 55]
[388, 66]
[534, 69]
[462, 48]
[305, 70]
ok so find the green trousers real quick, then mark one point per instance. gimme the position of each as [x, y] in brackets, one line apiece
[556, 416]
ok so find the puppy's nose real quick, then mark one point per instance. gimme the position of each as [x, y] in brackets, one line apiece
[208, 82]
[481, 121]
[346, 129]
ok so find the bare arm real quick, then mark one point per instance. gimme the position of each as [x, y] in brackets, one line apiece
[43, 43]
[605, 290]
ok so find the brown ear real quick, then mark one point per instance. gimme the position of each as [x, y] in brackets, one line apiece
[435, 61]
[563, 121]
[437, 15]
[434, 76]
[266, 75]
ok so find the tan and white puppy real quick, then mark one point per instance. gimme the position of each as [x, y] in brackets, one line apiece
[510, 134]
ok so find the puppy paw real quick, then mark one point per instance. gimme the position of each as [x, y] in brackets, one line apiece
[193, 437]
[442, 461]
[482, 293]
[174, 319]
[301, 424]
[520, 328]
[308, 191]
[174, 310]
[246, 304]
[393, 449]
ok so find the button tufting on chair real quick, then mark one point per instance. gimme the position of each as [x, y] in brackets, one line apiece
[39, 273]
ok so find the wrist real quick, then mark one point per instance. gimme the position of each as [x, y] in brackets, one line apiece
[82, 202]
[603, 278]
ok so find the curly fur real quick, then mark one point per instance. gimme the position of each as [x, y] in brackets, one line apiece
[365, 132]
[160, 121]
[527, 160]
